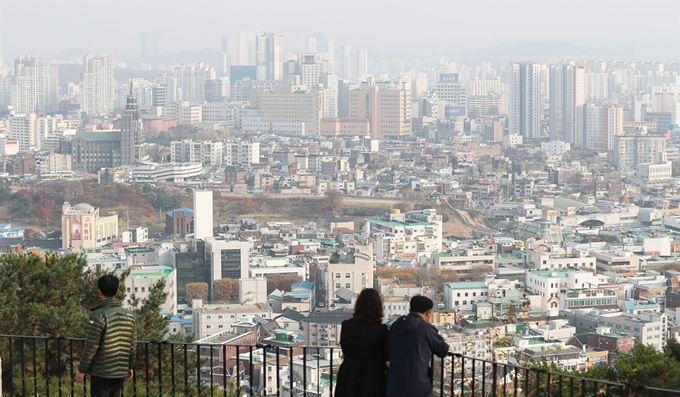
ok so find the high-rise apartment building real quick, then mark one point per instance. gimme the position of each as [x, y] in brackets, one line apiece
[362, 65]
[191, 81]
[132, 131]
[96, 91]
[347, 62]
[601, 125]
[525, 107]
[270, 56]
[567, 97]
[203, 214]
[148, 45]
[35, 88]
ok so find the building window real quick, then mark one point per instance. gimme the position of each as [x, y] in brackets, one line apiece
[347, 285]
[347, 275]
[337, 275]
[337, 285]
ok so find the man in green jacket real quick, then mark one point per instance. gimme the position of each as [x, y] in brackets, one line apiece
[111, 343]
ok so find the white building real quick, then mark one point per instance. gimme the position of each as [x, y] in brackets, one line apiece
[22, 128]
[35, 87]
[463, 294]
[142, 279]
[631, 150]
[185, 112]
[659, 172]
[210, 319]
[567, 97]
[270, 56]
[227, 259]
[295, 103]
[189, 151]
[242, 154]
[203, 214]
[549, 284]
[96, 90]
[405, 235]
[252, 290]
[555, 148]
[169, 172]
[558, 259]
[525, 105]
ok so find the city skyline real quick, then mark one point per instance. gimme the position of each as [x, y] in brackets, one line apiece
[433, 27]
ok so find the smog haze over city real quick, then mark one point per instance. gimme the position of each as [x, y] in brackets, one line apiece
[402, 28]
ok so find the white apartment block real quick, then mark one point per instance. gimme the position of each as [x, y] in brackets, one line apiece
[35, 88]
[96, 90]
[463, 295]
[189, 151]
[55, 162]
[210, 319]
[243, 154]
[525, 104]
[486, 87]
[143, 278]
[22, 128]
[284, 128]
[549, 284]
[296, 103]
[185, 112]
[631, 150]
[556, 148]
[648, 327]
[388, 107]
[406, 235]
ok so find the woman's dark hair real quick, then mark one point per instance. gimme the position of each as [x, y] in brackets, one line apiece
[369, 307]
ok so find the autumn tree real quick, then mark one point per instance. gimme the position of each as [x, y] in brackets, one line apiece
[225, 290]
[281, 282]
[197, 291]
[477, 273]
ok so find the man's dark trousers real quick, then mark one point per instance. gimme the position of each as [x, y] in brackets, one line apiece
[102, 387]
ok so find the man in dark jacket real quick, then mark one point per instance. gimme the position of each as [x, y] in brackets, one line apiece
[110, 348]
[411, 342]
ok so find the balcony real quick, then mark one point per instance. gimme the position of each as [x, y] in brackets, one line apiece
[44, 366]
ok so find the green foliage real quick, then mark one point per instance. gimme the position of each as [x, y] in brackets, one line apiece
[335, 258]
[22, 205]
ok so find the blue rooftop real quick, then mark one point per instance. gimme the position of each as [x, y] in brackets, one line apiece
[187, 211]
[303, 284]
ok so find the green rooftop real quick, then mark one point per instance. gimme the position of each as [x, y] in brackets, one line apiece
[557, 273]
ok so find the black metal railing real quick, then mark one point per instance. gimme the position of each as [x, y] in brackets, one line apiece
[45, 366]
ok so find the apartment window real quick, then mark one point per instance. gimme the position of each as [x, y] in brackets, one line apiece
[136, 289]
[347, 285]
[455, 303]
[337, 285]
[466, 294]
[347, 275]
[337, 275]
[474, 294]
[208, 326]
[458, 295]
[143, 289]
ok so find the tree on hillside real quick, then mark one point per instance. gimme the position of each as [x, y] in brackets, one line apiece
[332, 199]
[225, 290]
[197, 291]
[22, 205]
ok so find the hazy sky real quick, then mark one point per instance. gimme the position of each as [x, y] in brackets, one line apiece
[407, 27]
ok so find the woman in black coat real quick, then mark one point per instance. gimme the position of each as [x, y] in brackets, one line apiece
[363, 340]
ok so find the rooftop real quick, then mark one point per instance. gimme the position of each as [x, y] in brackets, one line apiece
[379, 219]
